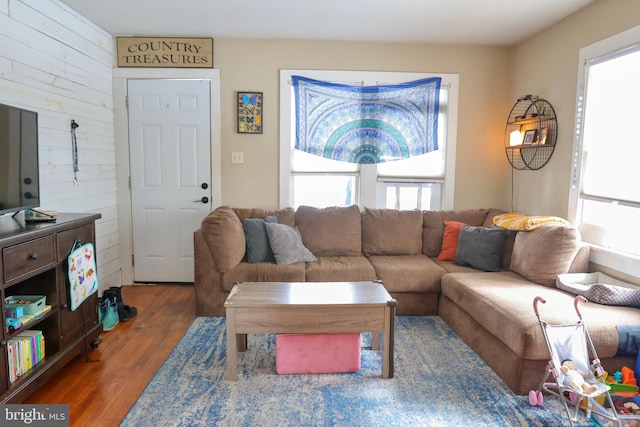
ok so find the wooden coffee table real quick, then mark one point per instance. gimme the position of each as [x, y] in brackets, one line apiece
[309, 308]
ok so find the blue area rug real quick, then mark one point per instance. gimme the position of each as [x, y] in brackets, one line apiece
[439, 381]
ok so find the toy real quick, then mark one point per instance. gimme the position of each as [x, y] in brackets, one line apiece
[628, 376]
[576, 380]
[616, 386]
[617, 375]
[11, 325]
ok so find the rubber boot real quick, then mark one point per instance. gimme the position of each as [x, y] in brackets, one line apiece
[102, 309]
[111, 317]
[125, 312]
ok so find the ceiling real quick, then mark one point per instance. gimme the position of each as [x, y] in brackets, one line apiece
[492, 22]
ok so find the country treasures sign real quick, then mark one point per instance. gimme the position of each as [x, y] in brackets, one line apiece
[165, 52]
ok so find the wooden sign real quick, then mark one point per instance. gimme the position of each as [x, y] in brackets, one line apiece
[165, 52]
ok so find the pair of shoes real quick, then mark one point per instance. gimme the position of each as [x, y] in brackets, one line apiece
[108, 313]
[125, 312]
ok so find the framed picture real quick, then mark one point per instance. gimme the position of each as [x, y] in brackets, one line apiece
[530, 136]
[249, 112]
[543, 135]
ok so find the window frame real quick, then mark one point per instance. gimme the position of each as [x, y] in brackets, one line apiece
[608, 258]
[286, 109]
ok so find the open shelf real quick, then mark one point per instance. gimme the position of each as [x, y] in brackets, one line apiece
[33, 263]
[530, 134]
[529, 156]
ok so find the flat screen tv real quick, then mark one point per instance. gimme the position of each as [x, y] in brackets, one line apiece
[19, 182]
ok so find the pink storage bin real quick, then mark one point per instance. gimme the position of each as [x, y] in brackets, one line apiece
[317, 353]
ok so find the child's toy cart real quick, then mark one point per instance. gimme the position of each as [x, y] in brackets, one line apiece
[571, 372]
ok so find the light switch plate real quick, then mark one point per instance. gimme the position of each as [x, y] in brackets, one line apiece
[237, 157]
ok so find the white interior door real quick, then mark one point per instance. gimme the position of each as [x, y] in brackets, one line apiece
[170, 146]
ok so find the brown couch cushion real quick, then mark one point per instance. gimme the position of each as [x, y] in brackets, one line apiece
[452, 267]
[284, 216]
[433, 227]
[263, 272]
[391, 232]
[333, 231]
[580, 263]
[224, 235]
[541, 254]
[408, 273]
[340, 269]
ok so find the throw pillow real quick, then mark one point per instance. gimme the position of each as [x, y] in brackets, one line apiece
[287, 245]
[433, 226]
[450, 241]
[258, 247]
[480, 247]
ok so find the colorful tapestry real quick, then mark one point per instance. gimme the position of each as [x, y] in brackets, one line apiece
[366, 124]
[83, 279]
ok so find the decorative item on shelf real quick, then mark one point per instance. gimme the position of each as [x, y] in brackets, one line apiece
[530, 134]
[528, 98]
[544, 132]
[249, 112]
[515, 138]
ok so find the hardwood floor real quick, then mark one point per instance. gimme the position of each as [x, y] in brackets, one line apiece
[101, 391]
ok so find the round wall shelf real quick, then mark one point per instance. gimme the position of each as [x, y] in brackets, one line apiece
[531, 133]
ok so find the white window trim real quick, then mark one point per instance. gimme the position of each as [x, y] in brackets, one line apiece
[605, 257]
[451, 80]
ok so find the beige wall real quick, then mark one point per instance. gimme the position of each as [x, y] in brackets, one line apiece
[547, 65]
[254, 65]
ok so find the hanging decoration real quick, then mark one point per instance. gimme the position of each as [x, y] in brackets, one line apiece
[366, 124]
[83, 279]
[74, 151]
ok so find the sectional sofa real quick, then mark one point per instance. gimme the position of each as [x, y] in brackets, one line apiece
[480, 279]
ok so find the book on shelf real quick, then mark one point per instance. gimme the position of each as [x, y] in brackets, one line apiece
[24, 351]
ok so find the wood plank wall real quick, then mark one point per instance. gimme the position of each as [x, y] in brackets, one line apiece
[56, 62]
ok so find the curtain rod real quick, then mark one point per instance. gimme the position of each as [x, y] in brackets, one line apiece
[361, 83]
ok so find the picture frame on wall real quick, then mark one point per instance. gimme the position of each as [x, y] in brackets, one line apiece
[530, 136]
[249, 112]
[544, 132]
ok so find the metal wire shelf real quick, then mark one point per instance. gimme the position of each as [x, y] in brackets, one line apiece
[531, 133]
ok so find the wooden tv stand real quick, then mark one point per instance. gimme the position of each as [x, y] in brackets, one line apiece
[33, 261]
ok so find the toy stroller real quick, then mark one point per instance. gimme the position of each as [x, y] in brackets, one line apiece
[575, 378]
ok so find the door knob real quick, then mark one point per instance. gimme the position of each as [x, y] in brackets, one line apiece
[204, 186]
[203, 200]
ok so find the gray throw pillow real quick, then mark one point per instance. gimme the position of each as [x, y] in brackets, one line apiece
[480, 247]
[287, 245]
[258, 246]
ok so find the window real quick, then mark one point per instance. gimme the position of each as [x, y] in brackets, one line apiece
[422, 182]
[605, 199]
